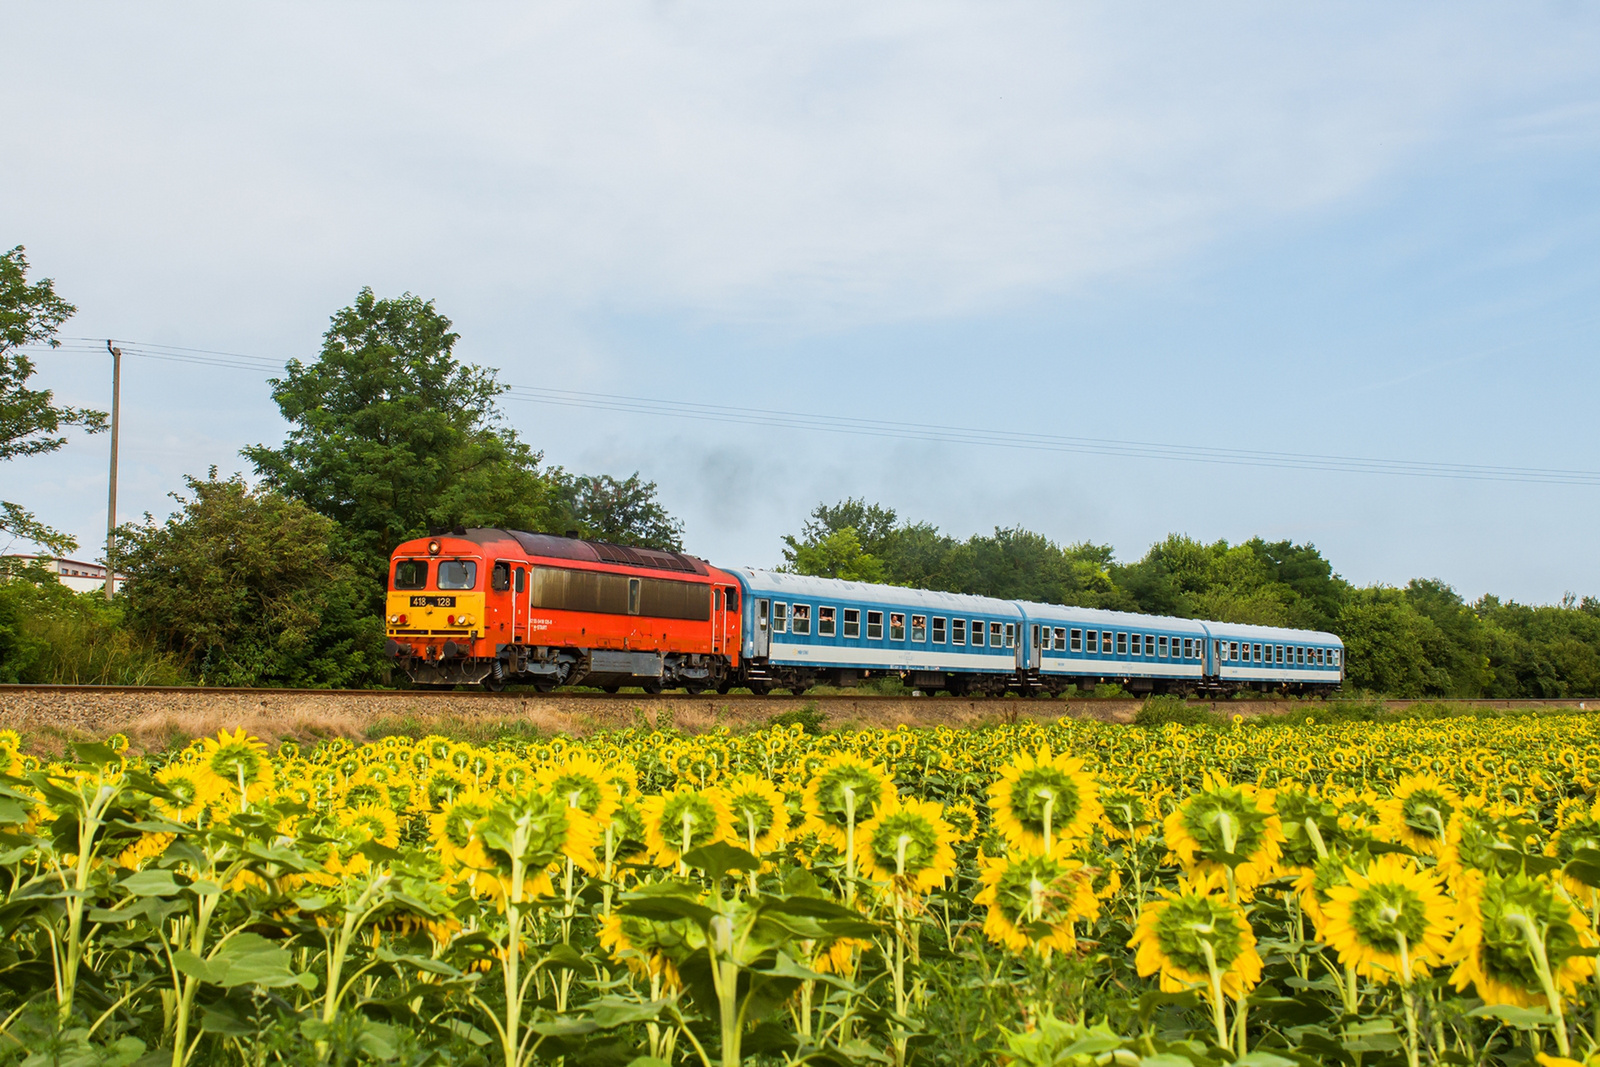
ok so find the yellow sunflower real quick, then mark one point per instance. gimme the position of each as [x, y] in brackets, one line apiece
[1418, 815]
[1390, 921]
[908, 844]
[1227, 827]
[679, 821]
[1043, 800]
[236, 766]
[760, 816]
[583, 781]
[845, 791]
[1193, 934]
[1516, 930]
[1033, 900]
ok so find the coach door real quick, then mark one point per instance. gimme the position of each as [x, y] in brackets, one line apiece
[762, 628]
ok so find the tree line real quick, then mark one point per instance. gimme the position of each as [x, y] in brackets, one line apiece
[280, 579]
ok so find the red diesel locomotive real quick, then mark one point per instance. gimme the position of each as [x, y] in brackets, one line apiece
[499, 606]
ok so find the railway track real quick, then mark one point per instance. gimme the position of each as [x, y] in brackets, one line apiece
[526, 695]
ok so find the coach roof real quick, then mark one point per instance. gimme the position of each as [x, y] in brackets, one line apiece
[822, 590]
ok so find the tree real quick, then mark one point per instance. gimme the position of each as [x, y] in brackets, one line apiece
[30, 420]
[1386, 641]
[625, 512]
[836, 555]
[247, 587]
[393, 436]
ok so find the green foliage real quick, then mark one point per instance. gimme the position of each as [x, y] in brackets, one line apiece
[30, 420]
[808, 717]
[1159, 710]
[392, 435]
[50, 635]
[248, 587]
[624, 512]
[837, 554]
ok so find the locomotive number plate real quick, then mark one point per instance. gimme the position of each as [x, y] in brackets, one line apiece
[433, 601]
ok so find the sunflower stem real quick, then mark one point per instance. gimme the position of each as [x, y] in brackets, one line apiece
[1541, 965]
[1410, 1001]
[1217, 1016]
[849, 845]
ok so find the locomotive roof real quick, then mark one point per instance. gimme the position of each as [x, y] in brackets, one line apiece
[551, 546]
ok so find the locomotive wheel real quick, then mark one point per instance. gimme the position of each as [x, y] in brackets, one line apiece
[653, 688]
[724, 687]
[694, 690]
[610, 688]
[494, 685]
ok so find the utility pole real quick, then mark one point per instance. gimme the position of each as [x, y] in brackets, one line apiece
[111, 507]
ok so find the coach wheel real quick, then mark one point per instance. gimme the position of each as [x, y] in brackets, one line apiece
[694, 690]
[610, 688]
[760, 690]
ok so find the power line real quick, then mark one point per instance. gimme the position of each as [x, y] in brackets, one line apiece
[908, 431]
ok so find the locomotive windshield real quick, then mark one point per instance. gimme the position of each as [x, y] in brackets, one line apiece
[411, 574]
[457, 574]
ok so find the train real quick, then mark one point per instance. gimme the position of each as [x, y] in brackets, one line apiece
[504, 607]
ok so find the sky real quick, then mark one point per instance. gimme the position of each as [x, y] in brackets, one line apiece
[1357, 230]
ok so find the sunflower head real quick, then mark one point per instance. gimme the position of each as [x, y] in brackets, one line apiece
[583, 781]
[845, 789]
[760, 816]
[1308, 821]
[1034, 899]
[1225, 826]
[1191, 934]
[683, 819]
[908, 844]
[237, 764]
[1507, 921]
[1391, 921]
[1041, 801]
[1418, 816]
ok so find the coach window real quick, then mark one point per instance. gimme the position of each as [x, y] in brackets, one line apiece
[1061, 639]
[1094, 643]
[958, 631]
[1105, 642]
[1011, 635]
[977, 633]
[1322, 660]
[825, 620]
[1277, 653]
[1233, 650]
[780, 617]
[996, 638]
[1188, 648]
[1149, 644]
[802, 619]
[938, 631]
[411, 574]
[897, 626]
[457, 574]
[1136, 645]
[1122, 644]
[874, 626]
[1075, 640]
[852, 622]
[1300, 656]
[919, 627]
[1161, 646]
[1336, 653]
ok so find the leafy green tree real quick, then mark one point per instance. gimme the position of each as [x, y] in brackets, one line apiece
[248, 587]
[1386, 643]
[873, 524]
[836, 555]
[31, 422]
[624, 512]
[392, 436]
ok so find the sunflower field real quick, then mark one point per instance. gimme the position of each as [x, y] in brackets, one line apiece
[1033, 894]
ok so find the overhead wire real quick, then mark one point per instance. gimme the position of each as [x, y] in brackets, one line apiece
[909, 431]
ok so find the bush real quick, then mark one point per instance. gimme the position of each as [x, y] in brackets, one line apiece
[1159, 710]
[50, 635]
[810, 717]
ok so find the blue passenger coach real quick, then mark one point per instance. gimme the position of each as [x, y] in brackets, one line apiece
[798, 631]
[1085, 646]
[801, 631]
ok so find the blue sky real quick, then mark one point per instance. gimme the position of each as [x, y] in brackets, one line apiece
[1354, 230]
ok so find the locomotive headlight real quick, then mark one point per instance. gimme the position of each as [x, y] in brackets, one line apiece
[433, 548]
[449, 620]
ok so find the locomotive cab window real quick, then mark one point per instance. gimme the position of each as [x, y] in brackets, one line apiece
[733, 599]
[852, 622]
[801, 619]
[938, 630]
[958, 631]
[780, 617]
[874, 626]
[457, 574]
[411, 574]
[897, 626]
[500, 577]
[1077, 641]
[825, 620]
